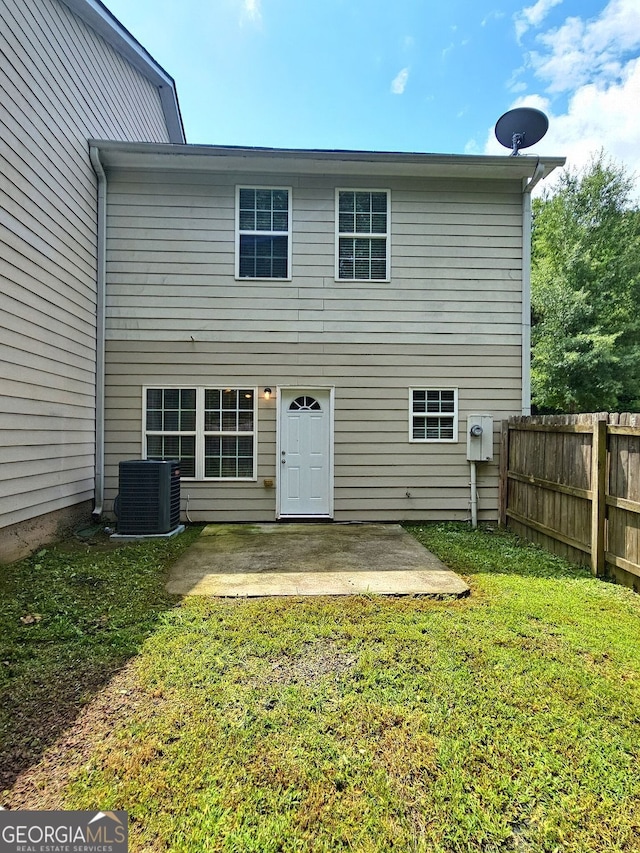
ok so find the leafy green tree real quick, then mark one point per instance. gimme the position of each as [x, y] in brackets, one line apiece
[585, 293]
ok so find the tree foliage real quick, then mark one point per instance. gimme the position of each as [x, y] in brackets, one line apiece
[585, 292]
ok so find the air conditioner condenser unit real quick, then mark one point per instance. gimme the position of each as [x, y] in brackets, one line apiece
[148, 502]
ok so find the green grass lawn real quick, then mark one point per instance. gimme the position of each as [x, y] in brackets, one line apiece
[506, 721]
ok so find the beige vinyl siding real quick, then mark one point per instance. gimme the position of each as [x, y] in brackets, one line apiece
[375, 464]
[449, 317]
[61, 84]
[170, 265]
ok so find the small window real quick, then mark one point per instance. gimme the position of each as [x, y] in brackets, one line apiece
[210, 430]
[305, 404]
[362, 249]
[263, 217]
[433, 414]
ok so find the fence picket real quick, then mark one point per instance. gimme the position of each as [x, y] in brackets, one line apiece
[598, 495]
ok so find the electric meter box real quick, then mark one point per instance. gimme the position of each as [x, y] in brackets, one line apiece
[480, 438]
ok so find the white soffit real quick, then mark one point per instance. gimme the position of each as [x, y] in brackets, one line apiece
[203, 158]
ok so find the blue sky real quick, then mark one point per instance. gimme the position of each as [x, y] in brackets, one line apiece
[399, 75]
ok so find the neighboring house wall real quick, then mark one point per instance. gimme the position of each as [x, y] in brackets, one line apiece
[61, 83]
[449, 317]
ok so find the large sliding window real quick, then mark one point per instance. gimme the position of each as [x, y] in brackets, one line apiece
[212, 431]
[263, 232]
[362, 239]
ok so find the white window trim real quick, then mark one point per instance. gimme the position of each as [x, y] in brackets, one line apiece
[453, 414]
[262, 233]
[200, 431]
[339, 233]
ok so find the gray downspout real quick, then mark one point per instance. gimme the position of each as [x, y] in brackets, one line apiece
[528, 186]
[100, 329]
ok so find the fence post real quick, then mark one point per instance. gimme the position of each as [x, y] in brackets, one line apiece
[503, 481]
[598, 499]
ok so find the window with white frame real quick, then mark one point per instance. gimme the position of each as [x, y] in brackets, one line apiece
[263, 232]
[362, 241]
[210, 430]
[433, 414]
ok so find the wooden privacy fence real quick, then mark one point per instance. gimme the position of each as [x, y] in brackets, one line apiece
[571, 483]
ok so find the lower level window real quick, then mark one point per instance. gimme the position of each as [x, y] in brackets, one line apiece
[211, 431]
[433, 414]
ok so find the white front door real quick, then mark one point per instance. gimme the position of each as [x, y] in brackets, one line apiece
[305, 454]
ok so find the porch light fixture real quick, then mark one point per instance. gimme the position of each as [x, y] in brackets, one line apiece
[267, 393]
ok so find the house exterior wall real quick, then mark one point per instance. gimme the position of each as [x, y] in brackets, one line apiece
[61, 83]
[450, 316]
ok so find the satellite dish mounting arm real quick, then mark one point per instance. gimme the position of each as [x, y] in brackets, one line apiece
[517, 143]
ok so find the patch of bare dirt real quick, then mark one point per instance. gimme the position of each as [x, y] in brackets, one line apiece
[322, 660]
[41, 786]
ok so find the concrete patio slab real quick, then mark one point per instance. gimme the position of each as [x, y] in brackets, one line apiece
[248, 560]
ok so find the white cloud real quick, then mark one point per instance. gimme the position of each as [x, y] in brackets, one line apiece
[399, 82]
[601, 117]
[579, 52]
[447, 50]
[494, 15]
[533, 16]
[597, 117]
[595, 63]
[515, 84]
[251, 11]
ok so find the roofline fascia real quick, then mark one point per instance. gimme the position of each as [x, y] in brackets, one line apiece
[96, 15]
[525, 167]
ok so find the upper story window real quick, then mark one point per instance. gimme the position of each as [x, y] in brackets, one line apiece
[362, 219]
[433, 414]
[263, 232]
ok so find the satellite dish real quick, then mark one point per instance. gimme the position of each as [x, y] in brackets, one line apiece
[521, 128]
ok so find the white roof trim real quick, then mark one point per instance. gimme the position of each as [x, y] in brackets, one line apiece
[211, 158]
[100, 19]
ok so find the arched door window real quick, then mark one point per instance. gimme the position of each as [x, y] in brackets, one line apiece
[305, 404]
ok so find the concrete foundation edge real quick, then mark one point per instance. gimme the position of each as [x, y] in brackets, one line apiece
[21, 539]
